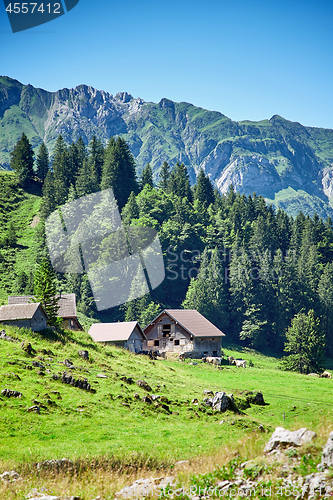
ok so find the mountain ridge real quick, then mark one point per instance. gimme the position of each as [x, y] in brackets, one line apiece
[289, 164]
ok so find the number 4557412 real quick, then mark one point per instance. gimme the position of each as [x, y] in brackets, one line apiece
[30, 8]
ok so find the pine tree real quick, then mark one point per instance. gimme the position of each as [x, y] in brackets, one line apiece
[49, 202]
[45, 290]
[208, 292]
[22, 161]
[42, 162]
[86, 182]
[61, 177]
[146, 177]
[96, 156]
[164, 176]
[130, 211]
[179, 182]
[305, 343]
[325, 293]
[204, 191]
[119, 171]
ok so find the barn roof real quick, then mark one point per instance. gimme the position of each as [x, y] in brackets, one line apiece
[114, 332]
[192, 321]
[67, 303]
[19, 311]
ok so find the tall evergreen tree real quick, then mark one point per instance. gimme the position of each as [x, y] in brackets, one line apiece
[42, 162]
[179, 182]
[204, 191]
[45, 290]
[96, 156]
[131, 210]
[146, 177]
[119, 171]
[305, 343]
[208, 292]
[22, 160]
[164, 175]
[61, 179]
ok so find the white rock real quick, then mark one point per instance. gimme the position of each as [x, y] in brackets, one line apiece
[283, 437]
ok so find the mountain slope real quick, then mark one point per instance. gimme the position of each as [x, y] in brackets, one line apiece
[289, 164]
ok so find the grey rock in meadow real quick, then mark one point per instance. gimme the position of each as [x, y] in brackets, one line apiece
[145, 487]
[327, 455]
[143, 384]
[11, 394]
[283, 438]
[83, 354]
[4, 336]
[62, 464]
[9, 476]
[207, 392]
[221, 402]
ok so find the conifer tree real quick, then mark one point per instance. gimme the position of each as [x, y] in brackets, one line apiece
[22, 161]
[96, 156]
[204, 191]
[164, 176]
[42, 162]
[45, 290]
[146, 177]
[119, 171]
[49, 202]
[179, 182]
[305, 343]
[208, 292]
[131, 210]
[60, 172]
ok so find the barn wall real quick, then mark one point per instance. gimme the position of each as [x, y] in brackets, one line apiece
[166, 342]
[207, 346]
[134, 342]
[38, 321]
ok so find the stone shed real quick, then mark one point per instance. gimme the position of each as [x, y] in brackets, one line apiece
[183, 330]
[30, 316]
[128, 334]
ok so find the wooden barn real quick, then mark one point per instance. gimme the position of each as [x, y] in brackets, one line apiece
[183, 330]
[30, 316]
[66, 311]
[128, 334]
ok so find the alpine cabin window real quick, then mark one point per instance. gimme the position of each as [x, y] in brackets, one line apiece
[166, 330]
[156, 342]
[176, 341]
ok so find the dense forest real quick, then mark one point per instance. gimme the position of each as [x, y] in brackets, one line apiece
[246, 266]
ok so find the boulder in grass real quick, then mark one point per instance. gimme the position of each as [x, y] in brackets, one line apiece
[282, 438]
[143, 384]
[327, 456]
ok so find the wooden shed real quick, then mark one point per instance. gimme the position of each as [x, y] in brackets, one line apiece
[128, 334]
[66, 311]
[183, 330]
[30, 316]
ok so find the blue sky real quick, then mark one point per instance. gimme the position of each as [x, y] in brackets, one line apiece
[249, 59]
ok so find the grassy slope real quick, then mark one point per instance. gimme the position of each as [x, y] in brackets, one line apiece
[82, 424]
[20, 208]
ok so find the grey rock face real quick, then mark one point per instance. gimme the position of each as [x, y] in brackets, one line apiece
[282, 437]
[327, 456]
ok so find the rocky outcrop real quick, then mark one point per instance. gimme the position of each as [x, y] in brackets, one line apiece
[282, 438]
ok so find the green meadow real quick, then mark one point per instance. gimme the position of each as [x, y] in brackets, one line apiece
[112, 422]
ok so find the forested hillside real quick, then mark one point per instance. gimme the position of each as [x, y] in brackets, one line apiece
[246, 266]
